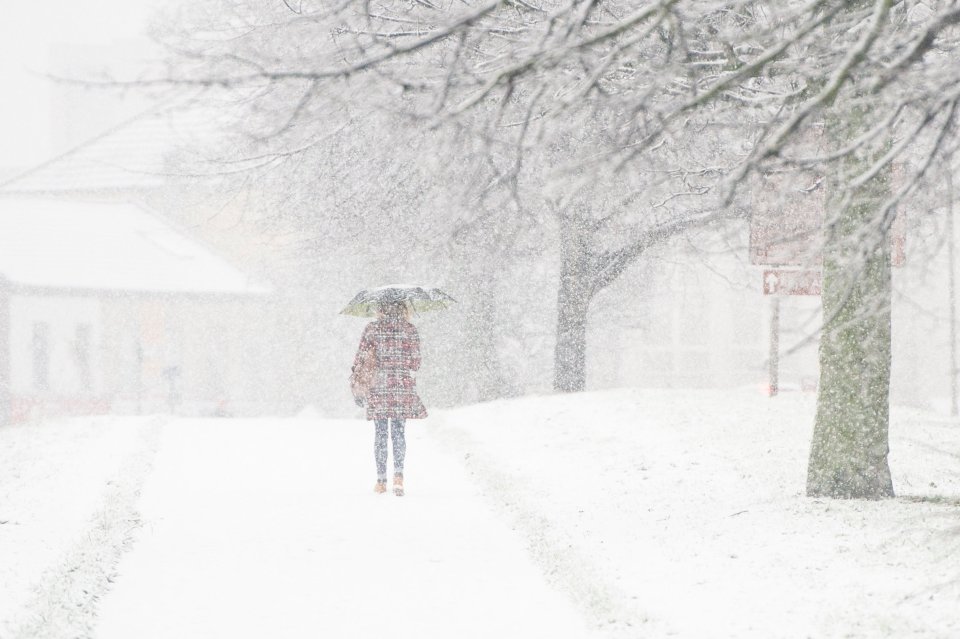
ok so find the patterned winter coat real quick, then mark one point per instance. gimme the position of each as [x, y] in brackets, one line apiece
[396, 347]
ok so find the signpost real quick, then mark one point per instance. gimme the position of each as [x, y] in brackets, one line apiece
[777, 282]
[785, 236]
[784, 233]
[791, 282]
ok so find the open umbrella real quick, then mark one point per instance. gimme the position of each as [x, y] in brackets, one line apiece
[419, 298]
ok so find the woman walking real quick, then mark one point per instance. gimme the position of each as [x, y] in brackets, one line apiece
[390, 346]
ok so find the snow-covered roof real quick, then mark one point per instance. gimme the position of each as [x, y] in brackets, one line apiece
[110, 246]
[133, 154]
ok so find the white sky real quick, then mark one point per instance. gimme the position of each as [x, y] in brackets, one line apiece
[27, 32]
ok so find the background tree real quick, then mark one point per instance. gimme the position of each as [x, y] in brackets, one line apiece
[534, 164]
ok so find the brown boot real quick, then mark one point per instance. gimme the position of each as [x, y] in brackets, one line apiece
[398, 485]
[381, 486]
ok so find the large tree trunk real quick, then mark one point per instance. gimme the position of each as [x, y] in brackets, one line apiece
[573, 303]
[848, 456]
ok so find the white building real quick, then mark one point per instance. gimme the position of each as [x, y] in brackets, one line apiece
[106, 308]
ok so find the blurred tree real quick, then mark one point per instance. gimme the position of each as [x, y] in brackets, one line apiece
[519, 173]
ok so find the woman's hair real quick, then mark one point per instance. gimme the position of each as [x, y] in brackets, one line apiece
[394, 309]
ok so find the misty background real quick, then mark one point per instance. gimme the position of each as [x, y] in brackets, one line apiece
[269, 248]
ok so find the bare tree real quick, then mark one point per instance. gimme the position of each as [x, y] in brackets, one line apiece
[533, 162]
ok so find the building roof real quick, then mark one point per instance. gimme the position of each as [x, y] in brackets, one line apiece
[133, 154]
[107, 246]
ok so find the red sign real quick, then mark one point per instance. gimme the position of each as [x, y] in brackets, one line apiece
[787, 217]
[786, 221]
[789, 282]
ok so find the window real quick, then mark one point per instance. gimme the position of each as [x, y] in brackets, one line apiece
[41, 356]
[81, 353]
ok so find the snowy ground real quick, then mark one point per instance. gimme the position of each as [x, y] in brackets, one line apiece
[607, 515]
[68, 509]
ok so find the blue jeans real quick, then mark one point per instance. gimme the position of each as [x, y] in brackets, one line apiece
[380, 446]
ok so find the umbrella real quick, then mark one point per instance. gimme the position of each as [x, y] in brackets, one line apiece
[419, 298]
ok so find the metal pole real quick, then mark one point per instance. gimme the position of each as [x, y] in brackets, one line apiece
[774, 344]
[5, 357]
[951, 279]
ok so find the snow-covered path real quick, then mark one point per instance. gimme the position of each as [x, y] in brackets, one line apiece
[270, 528]
[606, 515]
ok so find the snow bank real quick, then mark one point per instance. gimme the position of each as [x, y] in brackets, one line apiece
[683, 512]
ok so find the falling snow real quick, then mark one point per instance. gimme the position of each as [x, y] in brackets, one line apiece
[684, 322]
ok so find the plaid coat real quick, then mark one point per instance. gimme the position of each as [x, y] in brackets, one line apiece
[396, 347]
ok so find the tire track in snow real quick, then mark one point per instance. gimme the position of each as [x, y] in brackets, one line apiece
[552, 549]
[66, 596]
